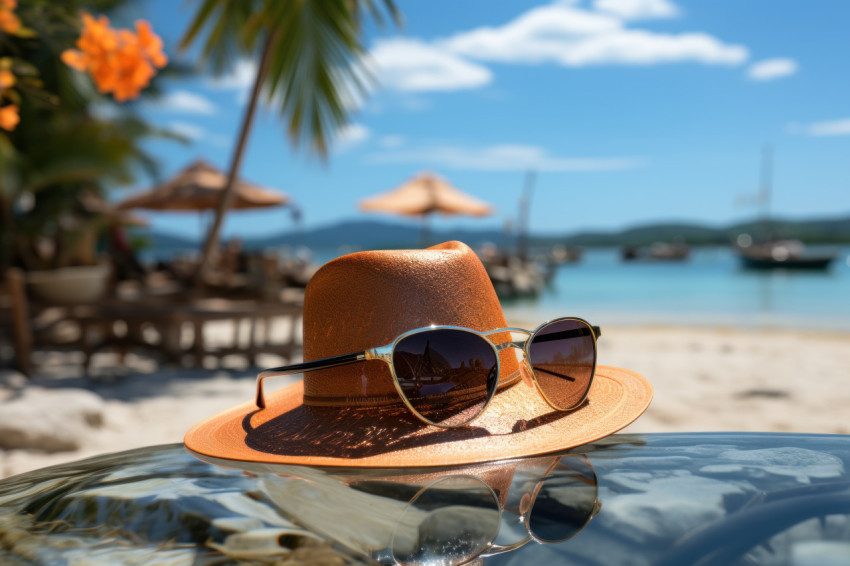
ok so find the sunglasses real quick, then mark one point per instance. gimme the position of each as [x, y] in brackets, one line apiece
[446, 375]
[552, 501]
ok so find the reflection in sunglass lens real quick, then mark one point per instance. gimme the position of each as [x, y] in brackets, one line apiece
[450, 522]
[563, 356]
[564, 503]
[447, 375]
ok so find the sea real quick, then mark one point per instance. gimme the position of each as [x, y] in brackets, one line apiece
[710, 288]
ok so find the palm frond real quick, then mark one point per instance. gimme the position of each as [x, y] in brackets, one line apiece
[316, 61]
[222, 23]
[315, 69]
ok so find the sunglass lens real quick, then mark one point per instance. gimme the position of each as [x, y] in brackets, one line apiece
[564, 503]
[563, 357]
[451, 522]
[446, 375]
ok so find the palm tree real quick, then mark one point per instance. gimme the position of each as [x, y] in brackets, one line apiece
[310, 68]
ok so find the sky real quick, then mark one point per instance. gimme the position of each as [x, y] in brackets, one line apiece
[629, 111]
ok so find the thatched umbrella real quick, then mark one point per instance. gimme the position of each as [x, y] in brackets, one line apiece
[198, 188]
[423, 195]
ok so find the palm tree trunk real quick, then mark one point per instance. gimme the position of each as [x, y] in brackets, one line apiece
[226, 197]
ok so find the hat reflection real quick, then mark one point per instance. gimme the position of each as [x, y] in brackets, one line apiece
[448, 516]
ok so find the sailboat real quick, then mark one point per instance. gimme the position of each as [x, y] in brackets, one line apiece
[519, 275]
[772, 253]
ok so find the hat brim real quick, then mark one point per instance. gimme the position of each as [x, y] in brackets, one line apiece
[517, 423]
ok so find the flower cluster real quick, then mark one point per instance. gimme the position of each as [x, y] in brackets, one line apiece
[120, 62]
[9, 23]
[9, 113]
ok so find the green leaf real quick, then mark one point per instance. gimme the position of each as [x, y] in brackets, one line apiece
[315, 69]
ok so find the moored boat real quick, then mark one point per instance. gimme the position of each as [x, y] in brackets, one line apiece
[783, 254]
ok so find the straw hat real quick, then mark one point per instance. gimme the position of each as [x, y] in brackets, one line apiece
[351, 415]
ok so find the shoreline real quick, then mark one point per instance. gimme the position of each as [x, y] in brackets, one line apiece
[705, 379]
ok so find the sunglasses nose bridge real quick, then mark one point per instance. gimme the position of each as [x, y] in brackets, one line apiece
[513, 343]
[383, 353]
[519, 344]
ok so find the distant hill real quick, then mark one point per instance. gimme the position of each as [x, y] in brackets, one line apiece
[372, 234]
[376, 234]
[644, 235]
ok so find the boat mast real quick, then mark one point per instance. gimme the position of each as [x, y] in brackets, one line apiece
[765, 192]
[524, 206]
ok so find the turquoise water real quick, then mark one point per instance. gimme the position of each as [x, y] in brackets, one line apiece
[709, 289]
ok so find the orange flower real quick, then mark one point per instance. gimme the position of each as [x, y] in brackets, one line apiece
[75, 59]
[8, 4]
[9, 22]
[120, 62]
[7, 79]
[150, 43]
[9, 117]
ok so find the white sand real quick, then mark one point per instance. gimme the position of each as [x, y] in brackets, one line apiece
[704, 380]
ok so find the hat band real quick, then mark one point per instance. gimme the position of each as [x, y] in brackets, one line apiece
[383, 400]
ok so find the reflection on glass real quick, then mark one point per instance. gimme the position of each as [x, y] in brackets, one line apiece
[442, 516]
[451, 521]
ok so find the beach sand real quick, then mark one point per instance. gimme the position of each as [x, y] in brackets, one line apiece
[705, 379]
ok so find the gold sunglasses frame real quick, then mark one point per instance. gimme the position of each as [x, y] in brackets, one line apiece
[385, 354]
[492, 548]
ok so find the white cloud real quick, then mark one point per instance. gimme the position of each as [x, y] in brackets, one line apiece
[638, 9]
[187, 130]
[574, 37]
[533, 37]
[185, 102]
[830, 128]
[351, 135]
[413, 65]
[503, 158]
[771, 69]
[240, 77]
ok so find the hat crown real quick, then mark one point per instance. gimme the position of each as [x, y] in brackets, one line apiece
[367, 299]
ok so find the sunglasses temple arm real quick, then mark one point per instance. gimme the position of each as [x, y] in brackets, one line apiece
[576, 333]
[325, 363]
[494, 548]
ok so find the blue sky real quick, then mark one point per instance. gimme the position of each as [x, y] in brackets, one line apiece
[631, 111]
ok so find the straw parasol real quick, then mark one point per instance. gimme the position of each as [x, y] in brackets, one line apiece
[197, 188]
[423, 195]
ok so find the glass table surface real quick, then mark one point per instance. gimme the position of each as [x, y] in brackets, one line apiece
[660, 499]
